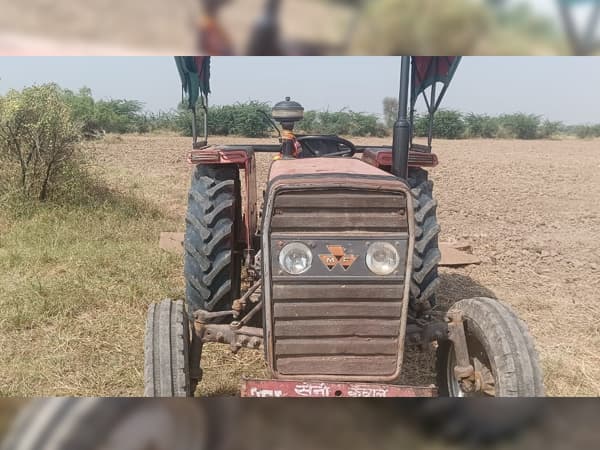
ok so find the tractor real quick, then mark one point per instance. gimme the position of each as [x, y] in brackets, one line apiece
[334, 272]
[332, 283]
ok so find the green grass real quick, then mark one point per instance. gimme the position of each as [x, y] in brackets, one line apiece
[76, 276]
[59, 261]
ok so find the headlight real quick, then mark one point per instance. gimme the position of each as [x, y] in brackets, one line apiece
[382, 258]
[295, 258]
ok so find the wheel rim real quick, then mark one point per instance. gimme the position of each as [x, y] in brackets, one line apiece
[484, 372]
[161, 425]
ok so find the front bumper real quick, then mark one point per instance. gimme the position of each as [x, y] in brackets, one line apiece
[324, 389]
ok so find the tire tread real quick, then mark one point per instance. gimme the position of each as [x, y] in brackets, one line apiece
[211, 270]
[426, 256]
[166, 367]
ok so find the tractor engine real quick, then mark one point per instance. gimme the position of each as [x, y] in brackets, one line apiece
[337, 242]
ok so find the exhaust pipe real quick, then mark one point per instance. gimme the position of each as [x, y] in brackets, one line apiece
[401, 142]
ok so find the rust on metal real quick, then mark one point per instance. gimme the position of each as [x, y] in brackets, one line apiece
[237, 337]
[243, 158]
[464, 370]
[324, 389]
[240, 305]
[236, 334]
[382, 158]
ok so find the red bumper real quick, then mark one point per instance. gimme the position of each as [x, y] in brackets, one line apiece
[319, 389]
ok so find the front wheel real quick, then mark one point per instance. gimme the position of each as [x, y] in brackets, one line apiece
[167, 351]
[500, 349]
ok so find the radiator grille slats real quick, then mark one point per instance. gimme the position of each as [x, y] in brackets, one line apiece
[336, 331]
[317, 308]
[325, 211]
[337, 327]
[337, 365]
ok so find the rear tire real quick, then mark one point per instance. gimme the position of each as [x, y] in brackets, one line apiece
[166, 369]
[426, 256]
[124, 424]
[498, 342]
[212, 266]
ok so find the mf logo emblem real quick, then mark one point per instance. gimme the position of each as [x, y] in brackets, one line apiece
[337, 257]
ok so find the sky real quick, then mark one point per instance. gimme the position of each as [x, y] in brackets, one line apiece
[559, 88]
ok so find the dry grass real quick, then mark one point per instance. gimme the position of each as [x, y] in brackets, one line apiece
[75, 281]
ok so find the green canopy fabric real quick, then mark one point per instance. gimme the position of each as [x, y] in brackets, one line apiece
[428, 70]
[194, 72]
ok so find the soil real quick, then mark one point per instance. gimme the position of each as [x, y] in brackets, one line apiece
[529, 210]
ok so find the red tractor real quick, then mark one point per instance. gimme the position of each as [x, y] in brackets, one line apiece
[341, 275]
[340, 264]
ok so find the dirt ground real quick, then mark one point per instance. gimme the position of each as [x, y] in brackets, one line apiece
[530, 211]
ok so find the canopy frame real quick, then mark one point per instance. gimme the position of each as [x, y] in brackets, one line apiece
[427, 72]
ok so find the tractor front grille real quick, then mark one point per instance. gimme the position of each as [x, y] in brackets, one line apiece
[337, 323]
[336, 329]
[339, 211]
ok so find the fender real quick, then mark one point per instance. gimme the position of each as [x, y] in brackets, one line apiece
[243, 158]
[382, 158]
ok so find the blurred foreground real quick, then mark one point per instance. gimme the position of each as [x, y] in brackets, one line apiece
[82, 424]
[300, 27]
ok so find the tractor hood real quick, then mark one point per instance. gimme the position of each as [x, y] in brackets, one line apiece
[318, 167]
[337, 319]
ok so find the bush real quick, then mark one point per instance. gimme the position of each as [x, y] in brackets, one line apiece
[454, 125]
[98, 117]
[241, 119]
[245, 119]
[119, 116]
[520, 126]
[549, 129]
[38, 139]
[83, 110]
[344, 123]
[481, 126]
[447, 124]
[586, 131]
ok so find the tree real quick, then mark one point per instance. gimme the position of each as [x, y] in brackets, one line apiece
[390, 111]
[37, 136]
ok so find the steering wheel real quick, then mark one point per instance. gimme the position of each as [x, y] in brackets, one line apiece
[344, 147]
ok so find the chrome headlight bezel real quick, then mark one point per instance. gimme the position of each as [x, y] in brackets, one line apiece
[301, 248]
[380, 268]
